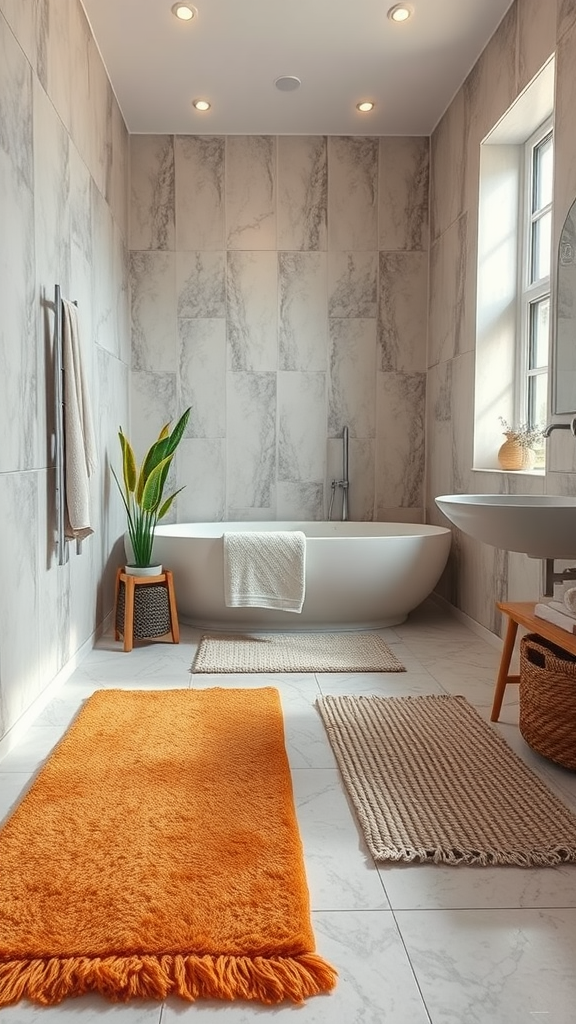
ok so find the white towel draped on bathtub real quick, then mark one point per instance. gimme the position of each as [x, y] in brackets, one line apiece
[265, 570]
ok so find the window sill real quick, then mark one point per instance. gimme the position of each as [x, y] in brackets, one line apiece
[509, 472]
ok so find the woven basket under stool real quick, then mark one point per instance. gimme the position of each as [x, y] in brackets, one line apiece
[548, 699]
[151, 610]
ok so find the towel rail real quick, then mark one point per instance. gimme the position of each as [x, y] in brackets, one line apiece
[61, 544]
[59, 442]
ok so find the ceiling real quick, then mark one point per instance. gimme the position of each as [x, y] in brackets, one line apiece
[343, 51]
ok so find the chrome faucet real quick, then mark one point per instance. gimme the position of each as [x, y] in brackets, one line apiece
[560, 426]
[344, 483]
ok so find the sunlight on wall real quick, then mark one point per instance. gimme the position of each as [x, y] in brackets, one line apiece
[501, 164]
[496, 297]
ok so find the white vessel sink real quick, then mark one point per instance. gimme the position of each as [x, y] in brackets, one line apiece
[541, 526]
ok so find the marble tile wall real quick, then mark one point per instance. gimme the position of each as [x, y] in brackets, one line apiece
[531, 31]
[63, 217]
[279, 287]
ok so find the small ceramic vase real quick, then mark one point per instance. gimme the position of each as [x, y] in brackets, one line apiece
[513, 455]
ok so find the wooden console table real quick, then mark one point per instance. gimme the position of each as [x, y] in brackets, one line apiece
[521, 613]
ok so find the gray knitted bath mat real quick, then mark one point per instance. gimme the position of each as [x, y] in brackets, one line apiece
[295, 652]
[431, 781]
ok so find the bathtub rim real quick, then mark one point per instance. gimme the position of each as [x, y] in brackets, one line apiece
[333, 529]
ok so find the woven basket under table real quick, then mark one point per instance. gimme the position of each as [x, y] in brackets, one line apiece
[548, 699]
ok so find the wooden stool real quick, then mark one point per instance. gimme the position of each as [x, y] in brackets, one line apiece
[164, 579]
[521, 613]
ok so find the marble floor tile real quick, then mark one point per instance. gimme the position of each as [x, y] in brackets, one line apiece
[467, 654]
[33, 749]
[177, 678]
[147, 665]
[144, 650]
[231, 680]
[493, 966]
[560, 780]
[508, 712]
[13, 785]
[388, 634]
[434, 627]
[341, 872]
[61, 711]
[378, 684]
[306, 741]
[479, 692]
[458, 666]
[376, 980]
[87, 1010]
[411, 661]
[473, 887]
[565, 780]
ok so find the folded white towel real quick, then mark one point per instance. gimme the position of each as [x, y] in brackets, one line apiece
[570, 600]
[80, 442]
[559, 606]
[265, 570]
[565, 621]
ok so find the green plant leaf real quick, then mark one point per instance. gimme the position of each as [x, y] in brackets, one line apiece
[178, 432]
[155, 454]
[166, 506]
[152, 492]
[128, 463]
[162, 448]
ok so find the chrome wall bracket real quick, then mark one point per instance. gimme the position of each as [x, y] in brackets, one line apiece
[550, 577]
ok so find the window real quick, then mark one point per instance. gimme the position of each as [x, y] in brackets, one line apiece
[513, 270]
[534, 286]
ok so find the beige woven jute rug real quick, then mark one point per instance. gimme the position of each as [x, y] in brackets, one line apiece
[431, 781]
[295, 652]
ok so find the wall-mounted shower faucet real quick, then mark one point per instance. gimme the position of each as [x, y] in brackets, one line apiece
[344, 483]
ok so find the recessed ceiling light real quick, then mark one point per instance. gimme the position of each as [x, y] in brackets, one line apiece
[184, 11]
[287, 83]
[365, 106]
[400, 12]
[201, 104]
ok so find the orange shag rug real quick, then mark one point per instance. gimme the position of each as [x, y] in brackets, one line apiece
[158, 854]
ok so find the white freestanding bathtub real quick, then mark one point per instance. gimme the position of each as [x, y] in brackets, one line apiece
[358, 575]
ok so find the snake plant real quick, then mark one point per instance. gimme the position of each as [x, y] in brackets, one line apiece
[143, 489]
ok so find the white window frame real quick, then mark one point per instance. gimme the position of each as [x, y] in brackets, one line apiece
[529, 293]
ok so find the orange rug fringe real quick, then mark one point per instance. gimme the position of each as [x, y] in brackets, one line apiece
[156, 854]
[265, 979]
